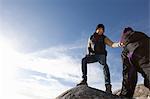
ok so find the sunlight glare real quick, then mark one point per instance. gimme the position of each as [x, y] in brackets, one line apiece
[7, 69]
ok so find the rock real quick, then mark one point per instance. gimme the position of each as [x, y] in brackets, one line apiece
[86, 92]
[141, 92]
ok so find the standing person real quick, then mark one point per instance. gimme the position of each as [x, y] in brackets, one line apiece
[136, 58]
[96, 52]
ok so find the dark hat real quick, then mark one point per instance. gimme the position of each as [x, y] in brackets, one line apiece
[100, 26]
[127, 29]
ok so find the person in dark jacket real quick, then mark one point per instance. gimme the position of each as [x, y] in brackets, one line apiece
[96, 52]
[135, 58]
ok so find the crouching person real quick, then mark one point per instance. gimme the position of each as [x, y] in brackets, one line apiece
[135, 58]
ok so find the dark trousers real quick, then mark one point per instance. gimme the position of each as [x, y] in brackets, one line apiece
[134, 62]
[96, 58]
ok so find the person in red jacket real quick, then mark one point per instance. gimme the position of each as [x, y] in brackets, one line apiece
[135, 58]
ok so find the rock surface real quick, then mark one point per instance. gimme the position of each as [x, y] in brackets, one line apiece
[141, 92]
[86, 92]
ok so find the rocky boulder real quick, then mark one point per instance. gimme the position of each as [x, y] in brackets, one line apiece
[141, 92]
[86, 92]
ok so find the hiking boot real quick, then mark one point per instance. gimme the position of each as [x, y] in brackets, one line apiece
[83, 82]
[108, 88]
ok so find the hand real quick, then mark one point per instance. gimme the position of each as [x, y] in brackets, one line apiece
[121, 44]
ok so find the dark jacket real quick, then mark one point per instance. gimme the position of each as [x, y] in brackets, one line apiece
[134, 40]
[96, 44]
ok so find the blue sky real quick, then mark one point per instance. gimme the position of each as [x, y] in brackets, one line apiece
[46, 39]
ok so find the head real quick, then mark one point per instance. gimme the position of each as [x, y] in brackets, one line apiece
[127, 30]
[100, 29]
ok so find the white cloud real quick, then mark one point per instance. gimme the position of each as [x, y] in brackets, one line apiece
[60, 69]
[48, 72]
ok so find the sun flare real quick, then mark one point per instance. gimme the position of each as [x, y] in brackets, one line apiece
[7, 70]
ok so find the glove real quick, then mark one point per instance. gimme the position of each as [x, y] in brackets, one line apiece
[119, 44]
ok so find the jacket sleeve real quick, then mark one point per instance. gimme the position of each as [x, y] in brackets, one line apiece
[111, 43]
[89, 47]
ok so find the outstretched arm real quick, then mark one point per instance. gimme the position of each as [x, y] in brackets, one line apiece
[111, 43]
